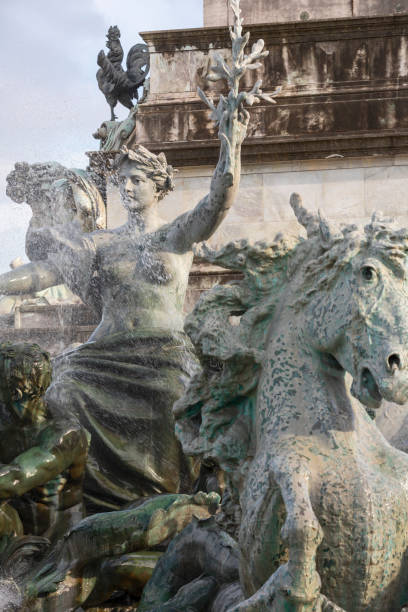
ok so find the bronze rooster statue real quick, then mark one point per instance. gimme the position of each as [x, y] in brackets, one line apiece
[116, 84]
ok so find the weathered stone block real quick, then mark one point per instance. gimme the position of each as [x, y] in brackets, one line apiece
[216, 12]
[249, 205]
[386, 190]
[379, 7]
[344, 189]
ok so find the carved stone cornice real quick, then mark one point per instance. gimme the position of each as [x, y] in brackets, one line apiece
[203, 153]
[167, 41]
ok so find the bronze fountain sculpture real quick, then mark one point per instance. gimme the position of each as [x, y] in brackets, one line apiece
[122, 383]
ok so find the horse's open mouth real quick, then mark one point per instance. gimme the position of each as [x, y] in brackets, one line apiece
[369, 389]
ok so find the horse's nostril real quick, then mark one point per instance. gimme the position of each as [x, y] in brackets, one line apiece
[394, 362]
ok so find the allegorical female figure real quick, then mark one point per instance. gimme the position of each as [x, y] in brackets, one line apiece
[122, 383]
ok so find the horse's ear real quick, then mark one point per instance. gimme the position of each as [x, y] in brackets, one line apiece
[328, 232]
[309, 221]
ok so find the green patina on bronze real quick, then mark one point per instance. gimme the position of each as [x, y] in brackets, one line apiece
[199, 562]
[324, 496]
[43, 461]
[111, 551]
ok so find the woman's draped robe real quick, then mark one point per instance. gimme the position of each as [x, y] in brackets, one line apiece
[121, 388]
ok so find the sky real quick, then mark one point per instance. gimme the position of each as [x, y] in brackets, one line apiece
[50, 103]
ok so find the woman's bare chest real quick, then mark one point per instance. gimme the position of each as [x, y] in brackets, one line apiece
[128, 262]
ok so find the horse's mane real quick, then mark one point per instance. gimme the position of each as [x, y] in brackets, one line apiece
[230, 323]
[334, 247]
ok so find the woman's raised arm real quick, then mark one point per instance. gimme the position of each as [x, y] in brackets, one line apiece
[232, 118]
[201, 222]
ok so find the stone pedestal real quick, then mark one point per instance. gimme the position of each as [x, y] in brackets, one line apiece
[338, 134]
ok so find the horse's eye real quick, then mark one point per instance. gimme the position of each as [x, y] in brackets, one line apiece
[368, 273]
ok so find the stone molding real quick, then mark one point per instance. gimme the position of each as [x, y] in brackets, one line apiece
[203, 153]
[167, 41]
